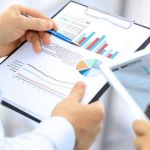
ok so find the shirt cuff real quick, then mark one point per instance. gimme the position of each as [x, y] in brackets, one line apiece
[59, 131]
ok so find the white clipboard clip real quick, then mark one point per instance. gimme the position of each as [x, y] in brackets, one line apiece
[114, 19]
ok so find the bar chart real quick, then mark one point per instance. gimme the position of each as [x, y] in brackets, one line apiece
[99, 45]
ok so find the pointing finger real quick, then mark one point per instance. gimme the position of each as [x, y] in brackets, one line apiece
[77, 92]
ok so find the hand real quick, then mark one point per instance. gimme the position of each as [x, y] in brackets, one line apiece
[86, 119]
[142, 130]
[16, 27]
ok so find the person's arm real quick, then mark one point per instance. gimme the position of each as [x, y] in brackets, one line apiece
[56, 133]
[142, 130]
[84, 121]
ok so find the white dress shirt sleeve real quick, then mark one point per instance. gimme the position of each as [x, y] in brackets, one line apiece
[56, 133]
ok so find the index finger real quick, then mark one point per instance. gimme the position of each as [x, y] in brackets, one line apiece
[77, 92]
[27, 11]
[55, 27]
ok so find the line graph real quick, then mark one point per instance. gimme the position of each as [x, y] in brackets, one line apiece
[39, 85]
[36, 78]
[45, 80]
[48, 75]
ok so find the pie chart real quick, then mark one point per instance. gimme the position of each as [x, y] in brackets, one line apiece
[89, 68]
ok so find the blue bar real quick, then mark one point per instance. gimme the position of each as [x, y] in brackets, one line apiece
[88, 38]
[100, 46]
[102, 52]
[80, 38]
[114, 55]
[99, 41]
[86, 45]
[108, 52]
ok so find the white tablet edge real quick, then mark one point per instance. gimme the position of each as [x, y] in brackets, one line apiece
[107, 71]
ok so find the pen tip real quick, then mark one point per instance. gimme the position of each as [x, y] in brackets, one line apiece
[76, 44]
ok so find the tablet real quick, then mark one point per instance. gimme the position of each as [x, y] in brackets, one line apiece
[131, 78]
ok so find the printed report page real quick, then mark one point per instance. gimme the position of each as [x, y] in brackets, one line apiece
[95, 31]
[36, 82]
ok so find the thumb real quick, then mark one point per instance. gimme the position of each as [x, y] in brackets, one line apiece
[77, 92]
[37, 24]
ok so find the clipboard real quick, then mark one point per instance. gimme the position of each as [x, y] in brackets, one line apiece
[116, 20]
[90, 11]
[128, 25]
[123, 22]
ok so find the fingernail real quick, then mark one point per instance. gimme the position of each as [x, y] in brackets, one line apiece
[80, 84]
[49, 25]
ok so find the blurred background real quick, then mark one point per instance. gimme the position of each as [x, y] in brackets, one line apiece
[132, 9]
[117, 133]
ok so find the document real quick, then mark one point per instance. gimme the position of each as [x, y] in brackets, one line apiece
[101, 33]
[36, 83]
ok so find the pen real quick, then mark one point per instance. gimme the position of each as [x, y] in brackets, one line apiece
[62, 37]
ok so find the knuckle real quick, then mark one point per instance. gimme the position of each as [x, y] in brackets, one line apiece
[38, 22]
[71, 97]
[80, 93]
[20, 20]
[75, 95]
